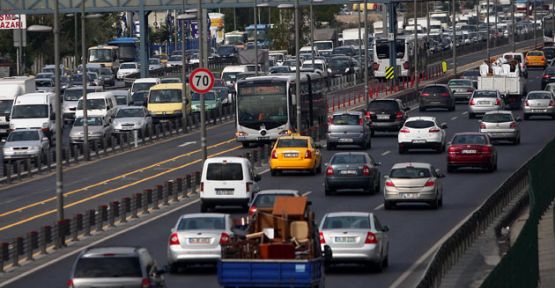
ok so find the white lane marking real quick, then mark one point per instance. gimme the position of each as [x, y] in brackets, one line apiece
[454, 118]
[187, 143]
[386, 152]
[71, 253]
[306, 193]
[378, 207]
[464, 113]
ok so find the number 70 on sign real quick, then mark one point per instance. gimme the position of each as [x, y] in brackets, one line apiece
[201, 80]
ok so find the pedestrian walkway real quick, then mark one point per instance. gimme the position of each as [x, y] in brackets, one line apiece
[546, 249]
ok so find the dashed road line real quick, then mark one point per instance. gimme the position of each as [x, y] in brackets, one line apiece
[386, 152]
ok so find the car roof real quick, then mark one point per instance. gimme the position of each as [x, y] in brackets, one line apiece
[230, 159]
[469, 133]
[203, 215]
[348, 112]
[411, 164]
[347, 213]
[350, 153]
[436, 85]
[499, 112]
[163, 86]
[119, 250]
[147, 80]
[414, 118]
[119, 92]
[288, 137]
[278, 191]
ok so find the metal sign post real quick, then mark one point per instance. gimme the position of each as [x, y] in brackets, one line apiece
[201, 81]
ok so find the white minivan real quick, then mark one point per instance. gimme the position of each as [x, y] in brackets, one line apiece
[227, 181]
[34, 111]
[98, 104]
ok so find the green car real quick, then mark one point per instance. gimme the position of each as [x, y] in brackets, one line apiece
[211, 101]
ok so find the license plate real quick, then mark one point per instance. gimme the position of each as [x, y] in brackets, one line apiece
[539, 110]
[409, 195]
[348, 172]
[383, 117]
[344, 239]
[224, 191]
[468, 151]
[199, 240]
[345, 140]
[483, 102]
[262, 138]
[418, 141]
[290, 155]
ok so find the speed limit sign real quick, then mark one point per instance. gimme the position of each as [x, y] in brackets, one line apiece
[201, 80]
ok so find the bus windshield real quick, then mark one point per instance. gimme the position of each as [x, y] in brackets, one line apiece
[101, 55]
[262, 104]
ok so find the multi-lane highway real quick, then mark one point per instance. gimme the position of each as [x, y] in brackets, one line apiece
[414, 230]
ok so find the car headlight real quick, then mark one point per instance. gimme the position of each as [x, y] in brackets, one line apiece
[8, 149]
[12, 126]
[34, 148]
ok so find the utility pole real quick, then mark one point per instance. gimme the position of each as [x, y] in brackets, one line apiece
[513, 25]
[85, 80]
[455, 37]
[312, 33]
[535, 26]
[297, 68]
[255, 39]
[202, 63]
[366, 54]
[58, 114]
[487, 21]
[416, 46]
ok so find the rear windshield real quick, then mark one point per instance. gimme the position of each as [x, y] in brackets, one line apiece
[348, 159]
[388, 106]
[410, 173]
[471, 73]
[434, 89]
[539, 96]
[289, 143]
[224, 171]
[460, 83]
[109, 267]
[202, 223]
[267, 200]
[535, 53]
[497, 118]
[469, 139]
[347, 222]
[420, 124]
[484, 94]
[345, 119]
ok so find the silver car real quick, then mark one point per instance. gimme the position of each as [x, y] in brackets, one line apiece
[197, 238]
[501, 125]
[44, 85]
[539, 103]
[483, 101]
[25, 143]
[462, 89]
[355, 237]
[125, 267]
[98, 127]
[413, 182]
[348, 128]
[131, 118]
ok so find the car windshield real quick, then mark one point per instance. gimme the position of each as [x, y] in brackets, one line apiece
[389, 106]
[291, 143]
[419, 124]
[211, 96]
[121, 99]
[347, 222]
[128, 66]
[73, 94]
[108, 267]
[229, 76]
[550, 71]
[142, 86]
[170, 80]
[469, 139]
[410, 173]
[224, 171]
[346, 119]
[29, 111]
[226, 50]
[539, 96]
[201, 223]
[348, 159]
[154, 61]
[165, 96]
[471, 73]
[125, 113]
[434, 89]
[92, 104]
[460, 83]
[497, 118]
[175, 58]
[139, 96]
[485, 94]
[105, 72]
[91, 121]
[23, 136]
[339, 62]
[43, 83]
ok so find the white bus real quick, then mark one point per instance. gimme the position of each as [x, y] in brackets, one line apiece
[405, 55]
[266, 106]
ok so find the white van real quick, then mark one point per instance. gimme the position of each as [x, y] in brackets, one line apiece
[98, 104]
[72, 96]
[143, 84]
[34, 111]
[227, 181]
[10, 88]
[229, 74]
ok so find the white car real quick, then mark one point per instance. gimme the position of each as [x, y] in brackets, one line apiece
[126, 69]
[422, 133]
[154, 64]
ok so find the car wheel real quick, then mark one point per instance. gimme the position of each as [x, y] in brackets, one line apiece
[388, 205]
[435, 204]
[329, 191]
[452, 108]
[441, 201]
[471, 115]
[274, 172]
[203, 207]
[378, 266]
[330, 146]
[526, 117]
[319, 169]
[421, 109]
[451, 169]
[372, 132]
[173, 268]
[376, 187]
[402, 150]
[385, 261]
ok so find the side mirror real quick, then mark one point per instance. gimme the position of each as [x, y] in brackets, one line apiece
[172, 230]
[448, 143]
[443, 125]
[257, 177]
[385, 228]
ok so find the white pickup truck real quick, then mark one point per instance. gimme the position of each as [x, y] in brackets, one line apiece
[513, 88]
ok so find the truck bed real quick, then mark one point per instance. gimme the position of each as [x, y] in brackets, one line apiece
[504, 84]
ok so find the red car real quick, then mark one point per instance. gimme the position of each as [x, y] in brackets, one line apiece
[471, 149]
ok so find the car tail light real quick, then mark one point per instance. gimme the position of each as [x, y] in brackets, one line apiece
[274, 154]
[70, 283]
[429, 183]
[451, 149]
[45, 129]
[399, 115]
[482, 125]
[322, 239]
[526, 103]
[424, 94]
[389, 183]
[497, 102]
[513, 124]
[406, 65]
[249, 185]
[361, 121]
[469, 90]
[308, 154]
[371, 238]
[444, 94]
[145, 283]
[201, 186]
[252, 210]
[434, 130]
[174, 240]
[368, 115]
[375, 66]
[545, 76]
[329, 171]
[405, 130]
[485, 149]
[472, 102]
[365, 171]
[224, 238]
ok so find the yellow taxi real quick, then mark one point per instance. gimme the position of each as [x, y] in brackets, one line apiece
[535, 59]
[295, 152]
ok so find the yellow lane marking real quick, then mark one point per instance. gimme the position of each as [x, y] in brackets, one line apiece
[112, 190]
[122, 176]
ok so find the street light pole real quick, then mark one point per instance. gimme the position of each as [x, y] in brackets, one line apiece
[85, 80]
[297, 67]
[58, 114]
[488, 35]
[202, 64]
[312, 33]
[535, 26]
[255, 39]
[416, 46]
[513, 25]
[366, 92]
[455, 37]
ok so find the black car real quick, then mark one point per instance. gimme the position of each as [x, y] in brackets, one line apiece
[341, 65]
[549, 53]
[351, 171]
[227, 53]
[386, 114]
[436, 96]
[344, 50]
[548, 76]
